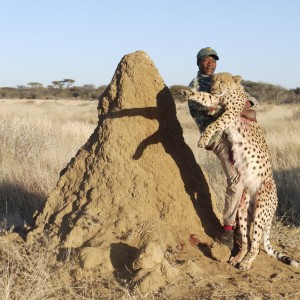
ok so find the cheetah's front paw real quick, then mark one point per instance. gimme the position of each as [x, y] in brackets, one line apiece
[184, 94]
[244, 265]
[234, 260]
[203, 141]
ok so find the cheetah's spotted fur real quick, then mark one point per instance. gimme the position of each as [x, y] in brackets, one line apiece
[251, 158]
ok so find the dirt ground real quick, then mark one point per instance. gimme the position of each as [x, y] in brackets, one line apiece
[129, 201]
[267, 279]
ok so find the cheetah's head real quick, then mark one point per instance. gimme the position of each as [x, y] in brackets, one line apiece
[221, 83]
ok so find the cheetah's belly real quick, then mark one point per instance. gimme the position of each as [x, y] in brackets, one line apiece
[250, 155]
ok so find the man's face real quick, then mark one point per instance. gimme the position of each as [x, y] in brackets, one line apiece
[207, 65]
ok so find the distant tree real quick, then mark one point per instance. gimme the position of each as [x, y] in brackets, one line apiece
[58, 84]
[87, 91]
[297, 90]
[68, 82]
[75, 92]
[34, 85]
[89, 86]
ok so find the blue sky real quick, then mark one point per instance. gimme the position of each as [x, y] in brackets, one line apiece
[47, 40]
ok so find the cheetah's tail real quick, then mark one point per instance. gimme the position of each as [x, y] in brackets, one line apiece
[272, 252]
[286, 259]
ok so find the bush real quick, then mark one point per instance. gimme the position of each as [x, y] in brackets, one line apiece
[86, 92]
[263, 92]
[269, 93]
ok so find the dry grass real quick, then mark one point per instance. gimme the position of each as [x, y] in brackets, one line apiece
[30, 273]
[25, 276]
[38, 138]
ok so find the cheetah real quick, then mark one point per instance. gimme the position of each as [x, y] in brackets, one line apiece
[253, 162]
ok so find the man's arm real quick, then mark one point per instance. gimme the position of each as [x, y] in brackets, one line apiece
[249, 108]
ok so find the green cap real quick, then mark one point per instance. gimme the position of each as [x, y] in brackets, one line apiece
[207, 52]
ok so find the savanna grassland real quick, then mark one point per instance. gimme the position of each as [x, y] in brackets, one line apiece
[39, 137]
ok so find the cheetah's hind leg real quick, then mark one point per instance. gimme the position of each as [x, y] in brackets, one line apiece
[262, 215]
[243, 221]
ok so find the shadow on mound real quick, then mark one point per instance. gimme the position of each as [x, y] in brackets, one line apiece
[170, 134]
[122, 257]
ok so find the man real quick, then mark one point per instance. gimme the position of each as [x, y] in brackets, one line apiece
[219, 144]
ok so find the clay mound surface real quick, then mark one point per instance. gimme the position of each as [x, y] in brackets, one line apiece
[129, 200]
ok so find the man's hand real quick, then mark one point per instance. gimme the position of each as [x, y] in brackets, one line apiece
[248, 113]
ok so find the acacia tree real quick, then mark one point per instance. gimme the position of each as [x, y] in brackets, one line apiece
[35, 85]
[68, 82]
[58, 85]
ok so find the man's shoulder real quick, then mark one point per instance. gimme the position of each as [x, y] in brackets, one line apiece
[194, 83]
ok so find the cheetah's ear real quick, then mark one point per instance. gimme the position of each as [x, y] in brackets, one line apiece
[237, 78]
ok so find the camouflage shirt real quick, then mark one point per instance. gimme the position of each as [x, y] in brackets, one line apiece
[202, 115]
